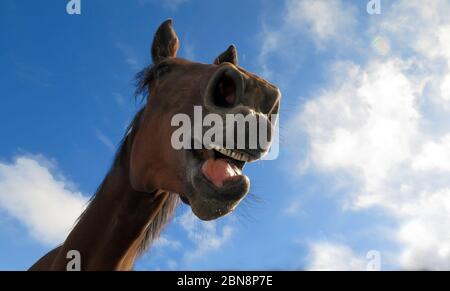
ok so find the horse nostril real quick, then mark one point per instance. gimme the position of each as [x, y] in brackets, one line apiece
[225, 92]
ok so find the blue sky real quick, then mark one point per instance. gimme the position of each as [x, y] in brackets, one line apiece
[364, 134]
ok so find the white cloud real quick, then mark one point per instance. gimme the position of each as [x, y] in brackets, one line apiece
[165, 242]
[435, 155]
[106, 141]
[293, 208]
[425, 231]
[207, 236]
[45, 204]
[377, 123]
[325, 20]
[366, 126]
[132, 58]
[424, 28]
[119, 99]
[326, 256]
[188, 49]
[172, 265]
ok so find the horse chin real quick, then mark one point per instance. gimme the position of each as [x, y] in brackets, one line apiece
[207, 200]
[210, 203]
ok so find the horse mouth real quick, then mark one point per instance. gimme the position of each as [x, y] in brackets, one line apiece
[222, 168]
[217, 183]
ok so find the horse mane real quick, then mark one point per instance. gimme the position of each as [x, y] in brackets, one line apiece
[154, 228]
[143, 79]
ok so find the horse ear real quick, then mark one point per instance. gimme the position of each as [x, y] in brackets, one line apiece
[165, 43]
[230, 56]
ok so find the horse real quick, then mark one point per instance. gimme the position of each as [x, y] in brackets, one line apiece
[149, 177]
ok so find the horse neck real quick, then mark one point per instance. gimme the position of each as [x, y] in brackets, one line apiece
[110, 233]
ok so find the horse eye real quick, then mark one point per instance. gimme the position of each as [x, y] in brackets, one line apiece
[161, 70]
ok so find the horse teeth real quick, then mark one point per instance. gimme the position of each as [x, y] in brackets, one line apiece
[230, 153]
[236, 170]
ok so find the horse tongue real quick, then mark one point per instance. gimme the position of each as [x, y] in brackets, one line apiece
[217, 171]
